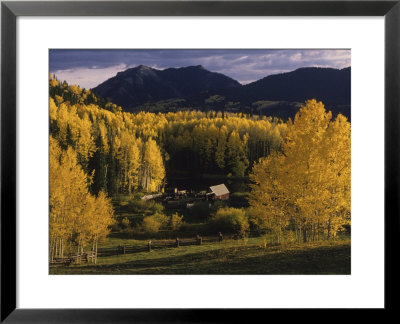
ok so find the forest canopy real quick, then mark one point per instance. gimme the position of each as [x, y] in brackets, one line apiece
[125, 152]
[300, 170]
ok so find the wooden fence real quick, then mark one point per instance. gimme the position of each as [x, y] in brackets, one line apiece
[129, 249]
[74, 258]
[154, 245]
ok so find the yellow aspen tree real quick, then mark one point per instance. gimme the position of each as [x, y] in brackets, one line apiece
[221, 147]
[308, 181]
[68, 192]
[236, 157]
[99, 220]
[75, 215]
[84, 141]
[153, 171]
[270, 206]
[337, 150]
[129, 162]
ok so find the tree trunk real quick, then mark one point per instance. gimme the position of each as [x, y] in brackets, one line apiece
[95, 255]
[56, 249]
[329, 229]
[62, 248]
[304, 235]
[52, 249]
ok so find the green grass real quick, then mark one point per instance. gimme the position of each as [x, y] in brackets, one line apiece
[229, 257]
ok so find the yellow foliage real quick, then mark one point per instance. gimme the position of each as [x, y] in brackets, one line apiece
[153, 171]
[75, 215]
[308, 183]
[176, 221]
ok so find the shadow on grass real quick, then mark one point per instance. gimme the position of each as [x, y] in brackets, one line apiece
[234, 260]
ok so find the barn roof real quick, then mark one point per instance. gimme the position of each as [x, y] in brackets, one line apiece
[219, 190]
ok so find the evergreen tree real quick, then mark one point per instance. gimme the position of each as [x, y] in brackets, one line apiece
[99, 166]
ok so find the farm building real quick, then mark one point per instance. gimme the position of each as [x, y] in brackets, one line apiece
[221, 192]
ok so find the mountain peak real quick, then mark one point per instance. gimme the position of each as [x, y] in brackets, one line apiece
[143, 84]
[134, 70]
[143, 67]
[190, 67]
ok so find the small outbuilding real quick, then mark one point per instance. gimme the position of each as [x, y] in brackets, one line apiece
[221, 192]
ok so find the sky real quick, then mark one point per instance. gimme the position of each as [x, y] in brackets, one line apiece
[88, 68]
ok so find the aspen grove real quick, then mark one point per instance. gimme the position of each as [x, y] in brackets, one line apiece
[306, 185]
[300, 169]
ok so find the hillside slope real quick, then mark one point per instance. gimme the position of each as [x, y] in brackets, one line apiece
[144, 84]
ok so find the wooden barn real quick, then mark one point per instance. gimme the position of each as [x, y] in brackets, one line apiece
[221, 192]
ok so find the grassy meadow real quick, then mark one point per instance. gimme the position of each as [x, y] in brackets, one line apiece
[249, 256]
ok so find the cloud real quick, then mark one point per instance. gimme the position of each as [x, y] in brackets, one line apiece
[88, 77]
[91, 66]
[297, 57]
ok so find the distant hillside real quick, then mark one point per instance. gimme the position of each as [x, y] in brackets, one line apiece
[143, 84]
[331, 86]
[193, 87]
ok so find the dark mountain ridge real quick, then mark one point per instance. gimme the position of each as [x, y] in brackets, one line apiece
[332, 86]
[145, 88]
[143, 84]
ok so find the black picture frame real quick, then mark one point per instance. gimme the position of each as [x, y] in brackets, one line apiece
[10, 10]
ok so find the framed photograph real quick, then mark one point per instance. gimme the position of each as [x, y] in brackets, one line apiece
[164, 158]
